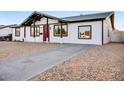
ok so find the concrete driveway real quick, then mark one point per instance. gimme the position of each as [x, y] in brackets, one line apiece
[26, 67]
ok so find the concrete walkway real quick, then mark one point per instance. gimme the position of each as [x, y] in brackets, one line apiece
[26, 67]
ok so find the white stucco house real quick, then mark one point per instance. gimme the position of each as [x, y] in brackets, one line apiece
[82, 29]
[5, 30]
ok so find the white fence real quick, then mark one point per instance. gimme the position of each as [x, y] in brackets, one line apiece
[117, 36]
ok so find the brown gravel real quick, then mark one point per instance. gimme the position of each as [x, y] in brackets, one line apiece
[100, 63]
[14, 49]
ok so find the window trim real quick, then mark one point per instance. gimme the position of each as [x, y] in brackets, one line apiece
[54, 31]
[16, 32]
[35, 31]
[90, 31]
[61, 35]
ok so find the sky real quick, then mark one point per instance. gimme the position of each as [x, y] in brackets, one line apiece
[16, 17]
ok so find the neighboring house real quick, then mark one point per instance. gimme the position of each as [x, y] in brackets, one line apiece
[83, 29]
[6, 32]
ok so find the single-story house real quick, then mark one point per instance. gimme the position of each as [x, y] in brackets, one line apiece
[82, 29]
[5, 31]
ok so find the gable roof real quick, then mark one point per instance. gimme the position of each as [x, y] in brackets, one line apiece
[89, 17]
[37, 15]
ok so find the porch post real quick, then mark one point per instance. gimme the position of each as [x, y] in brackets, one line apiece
[24, 31]
[47, 23]
[34, 28]
[102, 32]
[61, 30]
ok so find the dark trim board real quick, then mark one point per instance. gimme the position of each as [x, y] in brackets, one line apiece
[90, 20]
[61, 31]
[34, 28]
[24, 31]
[102, 32]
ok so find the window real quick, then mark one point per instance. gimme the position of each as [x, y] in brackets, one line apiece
[37, 31]
[84, 32]
[17, 31]
[57, 30]
[64, 30]
[60, 30]
[32, 31]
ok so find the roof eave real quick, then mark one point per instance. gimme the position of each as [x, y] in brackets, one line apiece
[112, 13]
[98, 19]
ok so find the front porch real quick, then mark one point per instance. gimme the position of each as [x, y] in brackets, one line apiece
[36, 28]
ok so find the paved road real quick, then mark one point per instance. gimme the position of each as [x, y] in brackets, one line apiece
[26, 67]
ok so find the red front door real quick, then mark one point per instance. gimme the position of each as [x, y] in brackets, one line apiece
[45, 33]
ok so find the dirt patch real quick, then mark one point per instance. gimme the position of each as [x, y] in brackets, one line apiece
[14, 49]
[99, 63]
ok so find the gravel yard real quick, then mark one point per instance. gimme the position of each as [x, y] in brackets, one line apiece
[99, 63]
[14, 49]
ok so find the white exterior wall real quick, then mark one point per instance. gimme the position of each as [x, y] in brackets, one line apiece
[29, 38]
[41, 22]
[18, 38]
[44, 20]
[5, 31]
[107, 30]
[73, 34]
